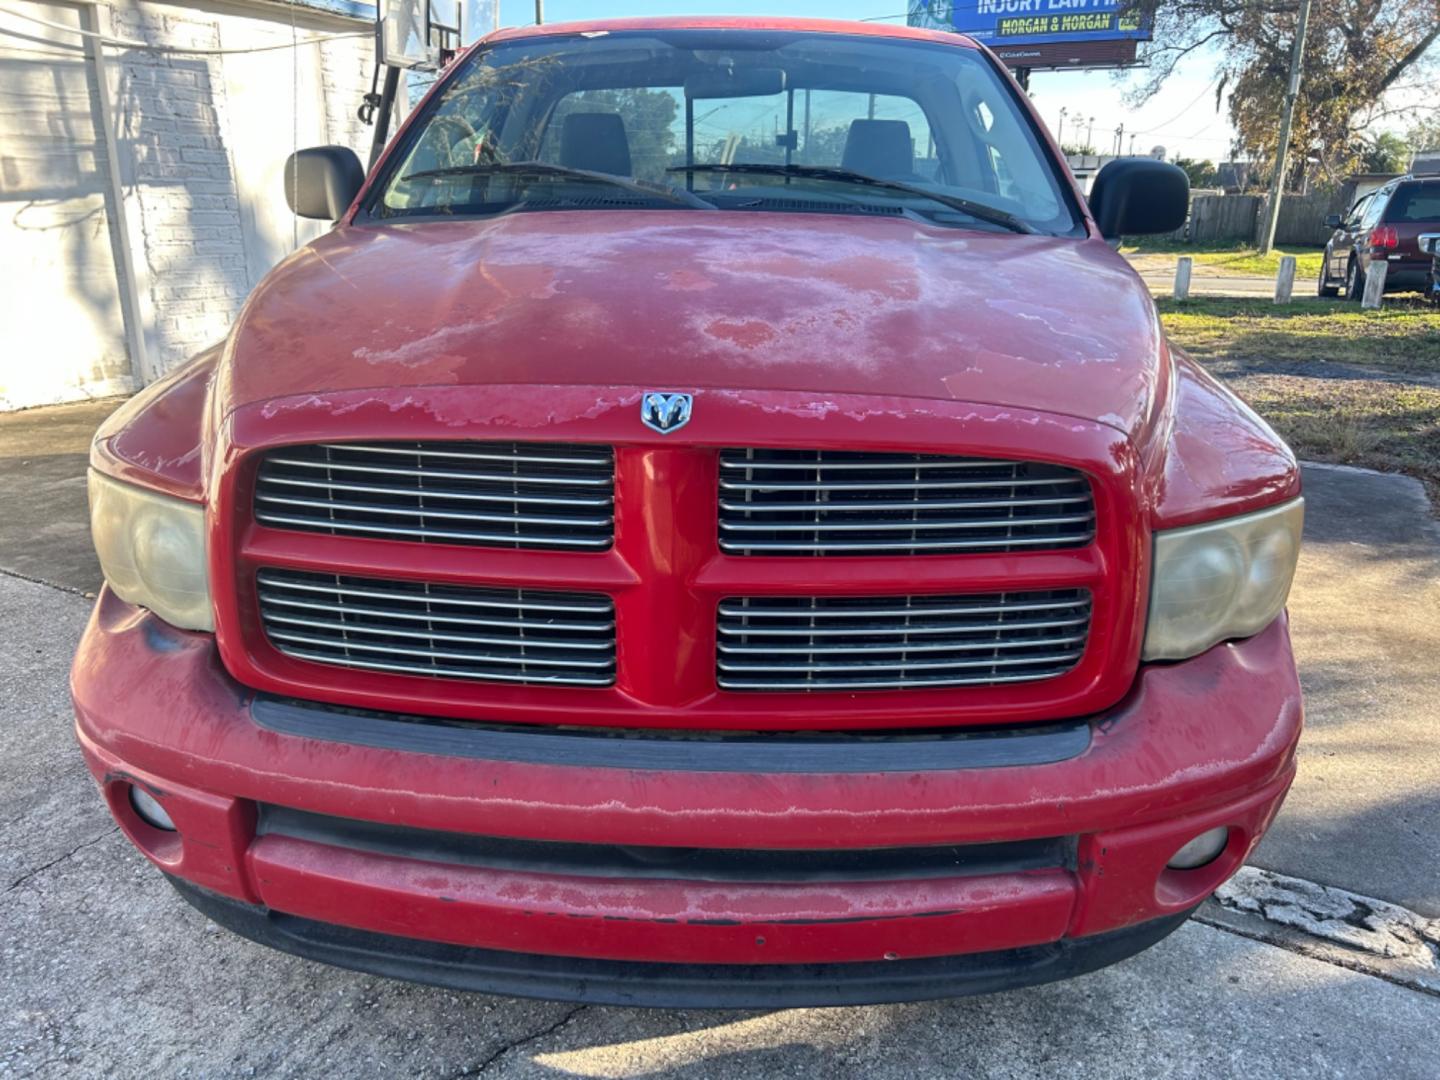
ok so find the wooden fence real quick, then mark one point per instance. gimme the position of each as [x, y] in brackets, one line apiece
[1302, 218]
[1236, 219]
[1220, 218]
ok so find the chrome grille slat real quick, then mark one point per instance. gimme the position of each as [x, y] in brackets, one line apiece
[737, 485]
[879, 526]
[834, 611]
[544, 496]
[417, 628]
[769, 649]
[457, 515]
[446, 536]
[873, 643]
[471, 455]
[973, 504]
[920, 629]
[875, 462]
[916, 548]
[846, 502]
[449, 474]
[431, 635]
[437, 654]
[460, 496]
[453, 673]
[902, 665]
[275, 580]
[420, 616]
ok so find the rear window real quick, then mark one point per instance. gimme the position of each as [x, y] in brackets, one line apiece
[1418, 203]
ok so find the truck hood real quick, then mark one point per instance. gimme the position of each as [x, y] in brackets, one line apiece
[689, 300]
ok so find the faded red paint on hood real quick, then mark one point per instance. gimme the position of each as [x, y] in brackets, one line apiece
[694, 300]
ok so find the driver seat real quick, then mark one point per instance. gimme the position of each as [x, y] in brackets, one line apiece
[596, 142]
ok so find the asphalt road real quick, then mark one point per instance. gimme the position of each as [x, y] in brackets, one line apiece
[1158, 273]
[106, 972]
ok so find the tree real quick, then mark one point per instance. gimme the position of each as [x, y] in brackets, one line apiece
[1386, 153]
[1356, 51]
[1203, 174]
[1077, 150]
[1424, 134]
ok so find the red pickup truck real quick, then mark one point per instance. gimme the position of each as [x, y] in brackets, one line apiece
[714, 523]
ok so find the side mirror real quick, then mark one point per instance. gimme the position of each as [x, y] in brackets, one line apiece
[1140, 196]
[322, 182]
[1332, 221]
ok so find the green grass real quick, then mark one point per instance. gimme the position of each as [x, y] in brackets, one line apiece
[1394, 427]
[1401, 338]
[1307, 368]
[1233, 259]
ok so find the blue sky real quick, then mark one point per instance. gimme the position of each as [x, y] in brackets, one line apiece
[1181, 118]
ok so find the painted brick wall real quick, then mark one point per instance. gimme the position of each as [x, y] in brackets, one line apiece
[177, 128]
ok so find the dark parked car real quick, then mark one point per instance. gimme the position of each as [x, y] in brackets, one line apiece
[1430, 245]
[1385, 224]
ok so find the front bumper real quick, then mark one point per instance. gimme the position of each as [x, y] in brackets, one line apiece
[1205, 743]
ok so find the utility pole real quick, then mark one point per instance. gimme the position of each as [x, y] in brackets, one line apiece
[1132, 145]
[539, 12]
[1119, 140]
[1060, 131]
[1090, 134]
[1287, 119]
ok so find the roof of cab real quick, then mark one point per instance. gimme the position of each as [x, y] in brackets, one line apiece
[736, 22]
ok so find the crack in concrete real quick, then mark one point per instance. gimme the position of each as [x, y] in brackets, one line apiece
[23, 878]
[48, 584]
[515, 1044]
[1363, 923]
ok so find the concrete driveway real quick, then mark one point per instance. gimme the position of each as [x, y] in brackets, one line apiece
[108, 973]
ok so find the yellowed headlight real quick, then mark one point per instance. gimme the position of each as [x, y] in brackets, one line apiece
[1221, 580]
[152, 550]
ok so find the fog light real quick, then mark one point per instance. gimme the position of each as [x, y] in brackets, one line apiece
[1203, 849]
[150, 810]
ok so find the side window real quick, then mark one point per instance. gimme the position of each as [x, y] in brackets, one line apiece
[1357, 212]
[457, 135]
[1371, 217]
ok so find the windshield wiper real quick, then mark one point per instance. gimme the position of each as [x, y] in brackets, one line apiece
[979, 211]
[540, 168]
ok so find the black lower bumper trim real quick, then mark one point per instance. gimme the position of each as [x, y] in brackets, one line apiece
[639, 983]
[680, 751]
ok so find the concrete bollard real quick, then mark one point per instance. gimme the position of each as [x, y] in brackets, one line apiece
[1285, 280]
[1182, 277]
[1375, 284]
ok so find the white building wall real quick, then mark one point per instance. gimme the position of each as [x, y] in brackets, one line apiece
[205, 140]
[201, 142]
[62, 332]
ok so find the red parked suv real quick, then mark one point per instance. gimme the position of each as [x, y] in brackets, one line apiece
[715, 523]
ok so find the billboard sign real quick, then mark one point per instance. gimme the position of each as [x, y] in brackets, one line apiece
[1002, 24]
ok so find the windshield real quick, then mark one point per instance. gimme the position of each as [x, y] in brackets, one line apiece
[730, 120]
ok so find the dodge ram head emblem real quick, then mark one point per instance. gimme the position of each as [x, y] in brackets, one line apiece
[666, 412]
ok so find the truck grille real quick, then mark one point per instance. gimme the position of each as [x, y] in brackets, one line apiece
[874, 643]
[445, 631]
[842, 502]
[552, 496]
